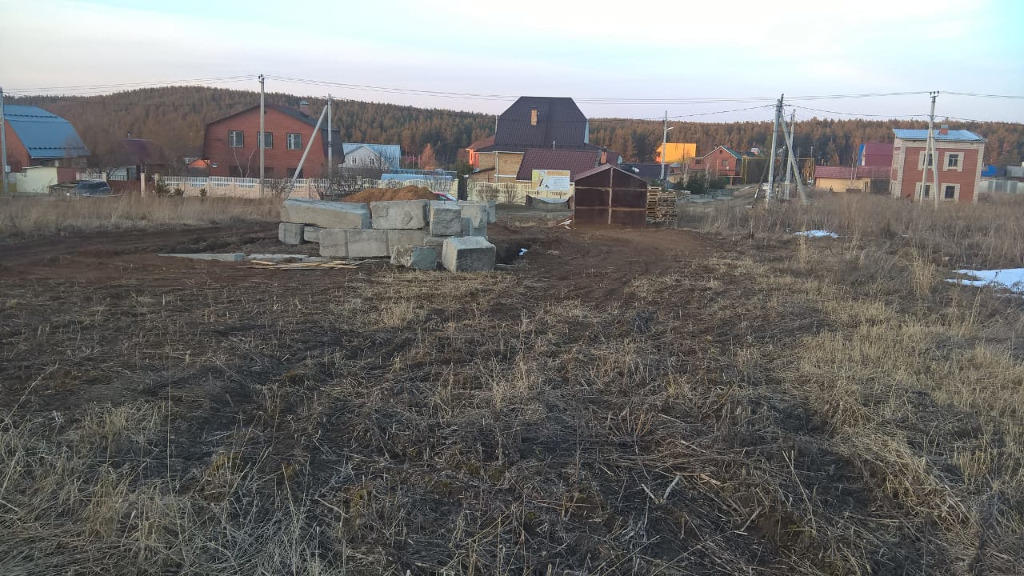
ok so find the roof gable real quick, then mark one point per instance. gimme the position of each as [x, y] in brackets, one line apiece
[391, 153]
[43, 134]
[559, 123]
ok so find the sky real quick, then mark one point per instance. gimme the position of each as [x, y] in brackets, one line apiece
[702, 61]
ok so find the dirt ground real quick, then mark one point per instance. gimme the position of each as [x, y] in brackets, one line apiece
[610, 402]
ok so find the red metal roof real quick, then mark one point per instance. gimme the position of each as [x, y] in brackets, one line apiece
[481, 143]
[847, 173]
[575, 161]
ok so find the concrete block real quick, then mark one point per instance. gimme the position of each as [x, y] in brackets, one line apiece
[477, 212]
[290, 233]
[467, 227]
[367, 243]
[333, 243]
[435, 242]
[470, 254]
[405, 238]
[445, 219]
[480, 230]
[492, 212]
[415, 257]
[398, 215]
[326, 214]
[311, 233]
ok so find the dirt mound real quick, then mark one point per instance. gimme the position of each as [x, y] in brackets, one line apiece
[381, 194]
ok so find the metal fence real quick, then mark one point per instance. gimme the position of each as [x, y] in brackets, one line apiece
[1001, 187]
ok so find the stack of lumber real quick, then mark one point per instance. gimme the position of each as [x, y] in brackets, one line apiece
[661, 205]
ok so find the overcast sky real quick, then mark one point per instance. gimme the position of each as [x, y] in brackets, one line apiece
[610, 56]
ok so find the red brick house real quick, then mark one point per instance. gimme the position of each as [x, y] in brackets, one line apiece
[230, 144]
[959, 155]
[721, 162]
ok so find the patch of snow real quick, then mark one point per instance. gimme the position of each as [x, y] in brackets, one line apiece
[817, 234]
[522, 251]
[1009, 278]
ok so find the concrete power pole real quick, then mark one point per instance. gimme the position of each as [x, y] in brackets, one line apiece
[330, 142]
[771, 161]
[935, 152]
[3, 142]
[263, 129]
[800, 188]
[929, 155]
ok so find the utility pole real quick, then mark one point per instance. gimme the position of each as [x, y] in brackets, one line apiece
[3, 142]
[664, 145]
[789, 153]
[792, 164]
[771, 161]
[330, 142]
[929, 154]
[263, 127]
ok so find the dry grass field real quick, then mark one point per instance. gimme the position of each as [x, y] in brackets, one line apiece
[721, 399]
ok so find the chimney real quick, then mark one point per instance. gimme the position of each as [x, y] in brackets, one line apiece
[304, 107]
[944, 129]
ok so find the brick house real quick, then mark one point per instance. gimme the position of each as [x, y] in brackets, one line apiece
[36, 137]
[959, 155]
[230, 144]
[721, 162]
[531, 122]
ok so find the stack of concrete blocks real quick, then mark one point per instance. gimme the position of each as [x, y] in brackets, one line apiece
[413, 233]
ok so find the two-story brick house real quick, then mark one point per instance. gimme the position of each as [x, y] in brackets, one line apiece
[721, 162]
[231, 144]
[959, 156]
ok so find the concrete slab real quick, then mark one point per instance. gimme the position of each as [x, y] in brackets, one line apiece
[231, 257]
[469, 254]
[398, 215]
[344, 215]
[333, 243]
[415, 257]
[311, 233]
[277, 257]
[405, 238]
[290, 232]
[445, 219]
[366, 243]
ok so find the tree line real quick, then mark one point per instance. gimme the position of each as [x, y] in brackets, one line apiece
[175, 118]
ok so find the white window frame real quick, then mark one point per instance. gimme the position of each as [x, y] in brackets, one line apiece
[959, 162]
[269, 145]
[234, 142]
[956, 192]
[920, 160]
[292, 138]
[927, 189]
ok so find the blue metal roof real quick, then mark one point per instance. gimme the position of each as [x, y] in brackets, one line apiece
[950, 136]
[45, 135]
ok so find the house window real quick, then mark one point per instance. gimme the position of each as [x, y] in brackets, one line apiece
[927, 190]
[950, 191]
[291, 173]
[954, 161]
[267, 138]
[920, 161]
[235, 171]
[533, 117]
[725, 163]
[294, 141]
[236, 138]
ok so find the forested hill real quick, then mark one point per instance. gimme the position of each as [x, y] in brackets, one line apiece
[175, 117]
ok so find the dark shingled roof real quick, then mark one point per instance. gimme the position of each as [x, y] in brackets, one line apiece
[575, 161]
[559, 120]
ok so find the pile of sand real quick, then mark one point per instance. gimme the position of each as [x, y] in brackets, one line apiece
[382, 194]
